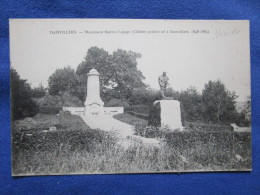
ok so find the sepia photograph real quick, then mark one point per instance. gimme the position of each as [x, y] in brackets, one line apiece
[114, 96]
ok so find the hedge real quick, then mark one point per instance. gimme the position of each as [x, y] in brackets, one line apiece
[192, 126]
[50, 109]
[155, 115]
[140, 109]
[142, 116]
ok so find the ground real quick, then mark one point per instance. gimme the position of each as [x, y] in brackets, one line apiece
[76, 148]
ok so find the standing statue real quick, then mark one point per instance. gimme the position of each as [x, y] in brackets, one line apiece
[163, 82]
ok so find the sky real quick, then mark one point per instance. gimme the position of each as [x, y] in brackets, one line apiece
[192, 52]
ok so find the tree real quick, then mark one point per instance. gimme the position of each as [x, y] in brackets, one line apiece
[117, 71]
[219, 103]
[192, 105]
[63, 99]
[126, 76]
[21, 97]
[244, 116]
[65, 80]
[145, 96]
[38, 92]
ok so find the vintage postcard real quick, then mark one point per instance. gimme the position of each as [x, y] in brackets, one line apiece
[101, 96]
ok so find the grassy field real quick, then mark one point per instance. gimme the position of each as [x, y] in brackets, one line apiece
[130, 119]
[44, 121]
[72, 151]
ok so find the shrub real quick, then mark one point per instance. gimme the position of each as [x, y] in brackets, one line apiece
[61, 151]
[190, 126]
[151, 131]
[50, 109]
[117, 103]
[140, 109]
[43, 121]
[141, 116]
[62, 99]
[155, 116]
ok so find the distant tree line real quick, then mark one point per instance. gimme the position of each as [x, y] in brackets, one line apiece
[122, 84]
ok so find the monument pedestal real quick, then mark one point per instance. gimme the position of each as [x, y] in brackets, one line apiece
[94, 109]
[170, 114]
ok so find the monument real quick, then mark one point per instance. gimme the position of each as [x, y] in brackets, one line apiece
[170, 112]
[93, 104]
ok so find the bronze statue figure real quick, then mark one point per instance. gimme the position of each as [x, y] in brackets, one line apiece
[163, 82]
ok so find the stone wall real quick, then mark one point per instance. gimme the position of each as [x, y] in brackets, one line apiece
[113, 110]
[107, 110]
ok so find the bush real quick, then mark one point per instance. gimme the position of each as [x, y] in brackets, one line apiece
[63, 99]
[61, 152]
[50, 109]
[138, 115]
[116, 103]
[190, 128]
[40, 141]
[155, 116]
[206, 127]
[140, 109]
[151, 131]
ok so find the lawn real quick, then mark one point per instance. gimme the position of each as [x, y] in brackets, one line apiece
[130, 119]
[44, 121]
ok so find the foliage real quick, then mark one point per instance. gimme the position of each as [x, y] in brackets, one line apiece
[116, 103]
[136, 114]
[219, 103]
[144, 95]
[95, 151]
[193, 126]
[244, 117]
[63, 99]
[191, 103]
[117, 71]
[40, 122]
[155, 115]
[151, 131]
[49, 109]
[65, 80]
[38, 92]
[21, 97]
[141, 109]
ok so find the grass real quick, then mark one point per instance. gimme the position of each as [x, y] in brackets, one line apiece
[44, 121]
[130, 119]
[74, 151]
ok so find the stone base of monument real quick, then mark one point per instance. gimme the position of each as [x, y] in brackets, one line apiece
[94, 110]
[166, 113]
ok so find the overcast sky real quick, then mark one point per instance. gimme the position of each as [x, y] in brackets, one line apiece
[219, 49]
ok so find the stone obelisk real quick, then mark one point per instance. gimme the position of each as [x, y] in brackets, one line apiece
[93, 104]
